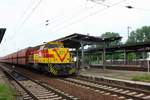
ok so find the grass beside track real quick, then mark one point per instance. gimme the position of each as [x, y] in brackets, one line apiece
[143, 78]
[6, 93]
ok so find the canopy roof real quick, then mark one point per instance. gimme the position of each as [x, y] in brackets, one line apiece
[75, 40]
[141, 46]
[2, 32]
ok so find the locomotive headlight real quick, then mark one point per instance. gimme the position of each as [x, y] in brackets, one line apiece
[75, 59]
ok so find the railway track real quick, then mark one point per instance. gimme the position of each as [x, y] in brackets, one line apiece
[33, 90]
[108, 89]
[102, 88]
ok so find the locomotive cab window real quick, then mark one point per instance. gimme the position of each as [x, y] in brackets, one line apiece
[53, 46]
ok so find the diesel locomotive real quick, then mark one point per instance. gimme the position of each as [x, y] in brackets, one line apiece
[49, 57]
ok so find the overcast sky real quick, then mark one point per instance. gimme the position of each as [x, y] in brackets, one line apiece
[26, 20]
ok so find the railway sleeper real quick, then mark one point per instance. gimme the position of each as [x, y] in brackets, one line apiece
[123, 92]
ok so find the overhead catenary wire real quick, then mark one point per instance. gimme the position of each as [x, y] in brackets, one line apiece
[24, 13]
[72, 22]
[53, 21]
[5, 41]
[50, 21]
[79, 20]
[116, 4]
[79, 12]
[57, 20]
[30, 14]
[127, 6]
[89, 15]
[21, 17]
[27, 17]
[136, 8]
[83, 18]
[101, 3]
[108, 6]
[23, 22]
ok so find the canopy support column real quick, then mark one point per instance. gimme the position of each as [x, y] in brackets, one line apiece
[82, 53]
[77, 59]
[112, 58]
[144, 57]
[125, 57]
[104, 57]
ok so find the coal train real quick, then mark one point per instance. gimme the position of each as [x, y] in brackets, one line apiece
[51, 57]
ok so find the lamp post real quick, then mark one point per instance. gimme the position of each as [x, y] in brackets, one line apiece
[128, 30]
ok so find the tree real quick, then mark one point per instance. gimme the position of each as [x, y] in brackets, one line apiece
[139, 35]
[94, 58]
[113, 43]
[112, 34]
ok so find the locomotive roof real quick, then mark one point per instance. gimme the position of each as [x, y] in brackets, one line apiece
[47, 43]
[2, 32]
[74, 40]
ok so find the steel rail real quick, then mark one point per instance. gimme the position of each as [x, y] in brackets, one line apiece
[107, 90]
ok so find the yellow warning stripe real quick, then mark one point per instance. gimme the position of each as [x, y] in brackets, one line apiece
[52, 69]
[72, 70]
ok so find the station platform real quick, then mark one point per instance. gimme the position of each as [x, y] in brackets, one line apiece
[118, 77]
[118, 74]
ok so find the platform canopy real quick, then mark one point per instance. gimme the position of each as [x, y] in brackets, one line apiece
[140, 47]
[75, 40]
[2, 32]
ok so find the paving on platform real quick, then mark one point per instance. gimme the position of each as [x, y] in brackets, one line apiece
[119, 74]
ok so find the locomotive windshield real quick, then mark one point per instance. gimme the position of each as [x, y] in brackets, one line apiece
[53, 45]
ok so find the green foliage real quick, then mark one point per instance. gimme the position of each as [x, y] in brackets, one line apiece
[6, 93]
[92, 59]
[114, 43]
[139, 35]
[131, 56]
[112, 34]
[144, 78]
[96, 58]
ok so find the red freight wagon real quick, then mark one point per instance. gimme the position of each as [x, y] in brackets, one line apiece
[9, 59]
[14, 58]
[22, 56]
[6, 58]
